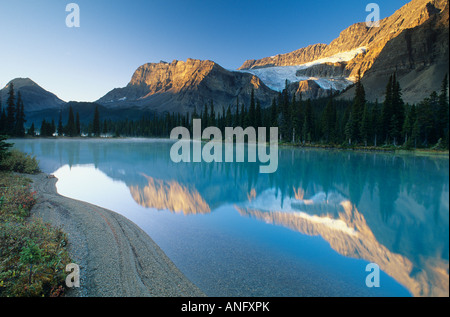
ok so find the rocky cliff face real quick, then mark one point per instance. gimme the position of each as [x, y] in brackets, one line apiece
[419, 56]
[34, 97]
[181, 86]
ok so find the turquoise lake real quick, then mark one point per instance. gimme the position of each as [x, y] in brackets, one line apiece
[310, 229]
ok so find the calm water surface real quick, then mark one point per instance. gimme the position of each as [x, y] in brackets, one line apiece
[310, 229]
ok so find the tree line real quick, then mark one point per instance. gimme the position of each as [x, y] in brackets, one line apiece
[329, 121]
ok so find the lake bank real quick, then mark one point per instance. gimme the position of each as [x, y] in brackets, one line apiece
[116, 258]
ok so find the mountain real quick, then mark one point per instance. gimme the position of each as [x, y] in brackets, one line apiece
[181, 86]
[412, 41]
[35, 98]
[419, 56]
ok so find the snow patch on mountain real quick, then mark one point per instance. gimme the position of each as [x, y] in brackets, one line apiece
[275, 77]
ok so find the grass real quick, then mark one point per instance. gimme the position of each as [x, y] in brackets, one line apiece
[33, 254]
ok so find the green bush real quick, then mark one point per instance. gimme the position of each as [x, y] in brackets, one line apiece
[20, 162]
[33, 254]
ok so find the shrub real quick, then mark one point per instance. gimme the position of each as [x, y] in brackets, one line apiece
[32, 253]
[20, 162]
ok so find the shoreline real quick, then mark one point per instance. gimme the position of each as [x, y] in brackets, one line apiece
[356, 148]
[116, 257]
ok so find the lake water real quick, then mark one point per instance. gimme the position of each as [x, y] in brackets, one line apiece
[310, 229]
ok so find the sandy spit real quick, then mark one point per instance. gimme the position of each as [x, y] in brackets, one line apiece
[116, 258]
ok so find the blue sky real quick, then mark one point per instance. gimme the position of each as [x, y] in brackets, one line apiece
[116, 37]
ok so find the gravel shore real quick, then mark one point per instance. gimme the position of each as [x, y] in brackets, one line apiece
[116, 257]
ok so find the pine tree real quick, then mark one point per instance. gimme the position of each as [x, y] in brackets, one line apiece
[205, 116]
[376, 123]
[366, 125]
[244, 118]
[408, 125]
[19, 129]
[60, 125]
[11, 111]
[77, 124]
[228, 118]
[359, 102]
[443, 112]
[308, 127]
[52, 128]
[394, 132]
[252, 110]
[258, 115]
[274, 114]
[31, 130]
[329, 118]
[2, 118]
[237, 116]
[387, 111]
[398, 107]
[104, 128]
[212, 116]
[349, 128]
[70, 127]
[4, 147]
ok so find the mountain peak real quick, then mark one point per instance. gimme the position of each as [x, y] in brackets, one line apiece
[21, 82]
[35, 97]
[183, 85]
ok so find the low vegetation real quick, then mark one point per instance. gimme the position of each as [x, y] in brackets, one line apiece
[32, 253]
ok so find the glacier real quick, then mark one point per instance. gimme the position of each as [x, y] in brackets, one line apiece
[275, 77]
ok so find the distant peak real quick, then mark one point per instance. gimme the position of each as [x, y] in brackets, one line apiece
[21, 82]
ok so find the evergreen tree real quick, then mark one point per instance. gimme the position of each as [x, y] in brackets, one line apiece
[105, 127]
[4, 147]
[237, 116]
[70, 127]
[394, 132]
[212, 116]
[77, 124]
[228, 118]
[366, 125]
[387, 111]
[244, 118]
[52, 128]
[329, 118]
[205, 116]
[349, 128]
[408, 125]
[19, 129]
[11, 111]
[376, 123]
[359, 102]
[274, 114]
[398, 108]
[443, 112]
[31, 130]
[2, 118]
[96, 123]
[252, 111]
[60, 125]
[258, 115]
[308, 127]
